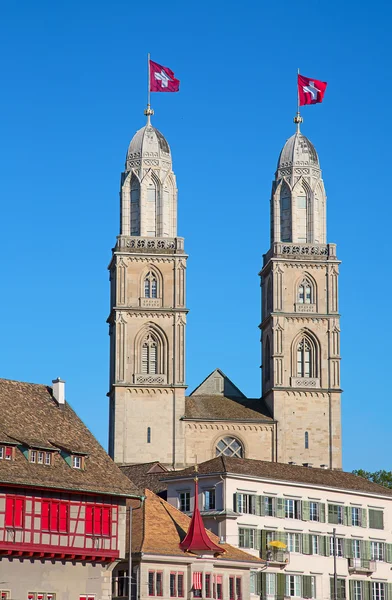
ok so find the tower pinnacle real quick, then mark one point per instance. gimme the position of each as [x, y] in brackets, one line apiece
[298, 120]
[148, 112]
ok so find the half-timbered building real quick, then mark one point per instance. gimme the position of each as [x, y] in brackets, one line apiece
[62, 500]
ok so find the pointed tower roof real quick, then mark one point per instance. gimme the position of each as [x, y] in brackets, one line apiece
[196, 539]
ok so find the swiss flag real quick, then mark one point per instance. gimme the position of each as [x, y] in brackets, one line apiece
[162, 79]
[310, 91]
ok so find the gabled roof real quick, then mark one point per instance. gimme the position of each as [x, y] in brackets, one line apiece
[218, 384]
[159, 528]
[147, 475]
[31, 416]
[282, 472]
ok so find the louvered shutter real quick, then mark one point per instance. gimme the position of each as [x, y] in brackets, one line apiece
[258, 539]
[389, 591]
[280, 586]
[258, 503]
[280, 508]
[263, 579]
[366, 550]
[152, 367]
[366, 590]
[54, 515]
[145, 359]
[305, 510]
[388, 554]
[89, 520]
[332, 514]
[306, 544]
[347, 516]
[363, 517]
[348, 548]
[63, 517]
[263, 543]
[322, 512]
[106, 520]
[306, 586]
[324, 549]
[262, 505]
[45, 515]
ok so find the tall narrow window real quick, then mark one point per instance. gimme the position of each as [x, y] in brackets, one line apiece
[149, 356]
[135, 208]
[285, 216]
[150, 286]
[269, 296]
[304, 359]
[148, 435]
[306, 440]
[302, 219]
[305, 292]
[267, 359]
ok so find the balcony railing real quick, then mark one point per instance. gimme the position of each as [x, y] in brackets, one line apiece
[280, 558]
[361, 565]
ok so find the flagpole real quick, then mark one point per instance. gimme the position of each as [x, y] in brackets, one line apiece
[298, 119]
[148, 112]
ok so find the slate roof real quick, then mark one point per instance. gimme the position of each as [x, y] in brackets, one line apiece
[283, 472]
[221, 408]
[31, 417]
[147, 475]
[158, 528]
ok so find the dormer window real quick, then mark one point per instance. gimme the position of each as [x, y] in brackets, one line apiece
[40, 457]
[6, 452]
[33, 456]
[77, 462]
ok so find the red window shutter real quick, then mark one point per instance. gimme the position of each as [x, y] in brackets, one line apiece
[45, 515]
[9, 512]
[54, 516]
[89, 520]
[97, 520]
[18, 512]
[8, 451]
[63, 517]
[106, 520]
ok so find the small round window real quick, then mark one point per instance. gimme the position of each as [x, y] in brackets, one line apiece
[229, 446]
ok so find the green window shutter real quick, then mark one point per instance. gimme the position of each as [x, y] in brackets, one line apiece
[332, 514]
[376, 519]
[281, 536]
[364, 517]
[306, 547]
[347, 516]
[366, 590]
[257, 501]
[235, 502]
[280, 586]
[280, 508]
[331, 588]
[322, 512]
[306, 586]
[347, 548]
[366, 550]
[324, 545]
[263, 544]
[351, 589]
[258, 536]
[305, 510]
[258, 584]
[263, 584]
[389, 591]
[262, 505]
[372, 518]
[388, 554]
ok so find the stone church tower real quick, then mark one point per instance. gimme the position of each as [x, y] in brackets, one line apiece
[300, 318]
[148, 314]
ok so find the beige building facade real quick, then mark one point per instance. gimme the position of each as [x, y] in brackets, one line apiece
[297, 419]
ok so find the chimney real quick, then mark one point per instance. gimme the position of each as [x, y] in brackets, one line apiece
[59, 391]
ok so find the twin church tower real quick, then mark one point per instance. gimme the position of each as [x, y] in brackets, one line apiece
[298, 418]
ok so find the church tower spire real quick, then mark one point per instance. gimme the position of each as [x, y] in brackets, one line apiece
[148, 314]
[300, 319]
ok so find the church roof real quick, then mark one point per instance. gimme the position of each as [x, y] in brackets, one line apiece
[217, 398]
[283, 472]
[148, 144]
[298, 151]
[159, 528]
[31, 417]
[147, 475]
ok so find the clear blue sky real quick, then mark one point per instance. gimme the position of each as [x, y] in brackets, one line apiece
[73, 90]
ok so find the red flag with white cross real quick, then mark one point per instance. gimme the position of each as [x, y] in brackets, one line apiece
[310, 91]
[162, 79]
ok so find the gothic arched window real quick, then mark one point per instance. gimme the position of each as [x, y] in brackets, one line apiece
[285, 216]
[304, 358]
[305, 292]
[149, 356]
[229, 446]
[150, 285]
[135, 207]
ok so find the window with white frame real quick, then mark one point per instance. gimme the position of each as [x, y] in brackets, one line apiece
[41, 596]
[229, 446]
[304, 358]
[269, 506]
[76, 461]
[33, 456]
[377, 550]
[184, 501]
[293, 542]
[293, 586]
[356, 548]
[246, 503]
[270, 584]
[378, 590]
[246, 537]
[355, 516]
[209, 499]
[150, 285]
[315, 544]
[335, 514]
[314, 511]
[357, 587]
[339, 546]
[292, 509]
